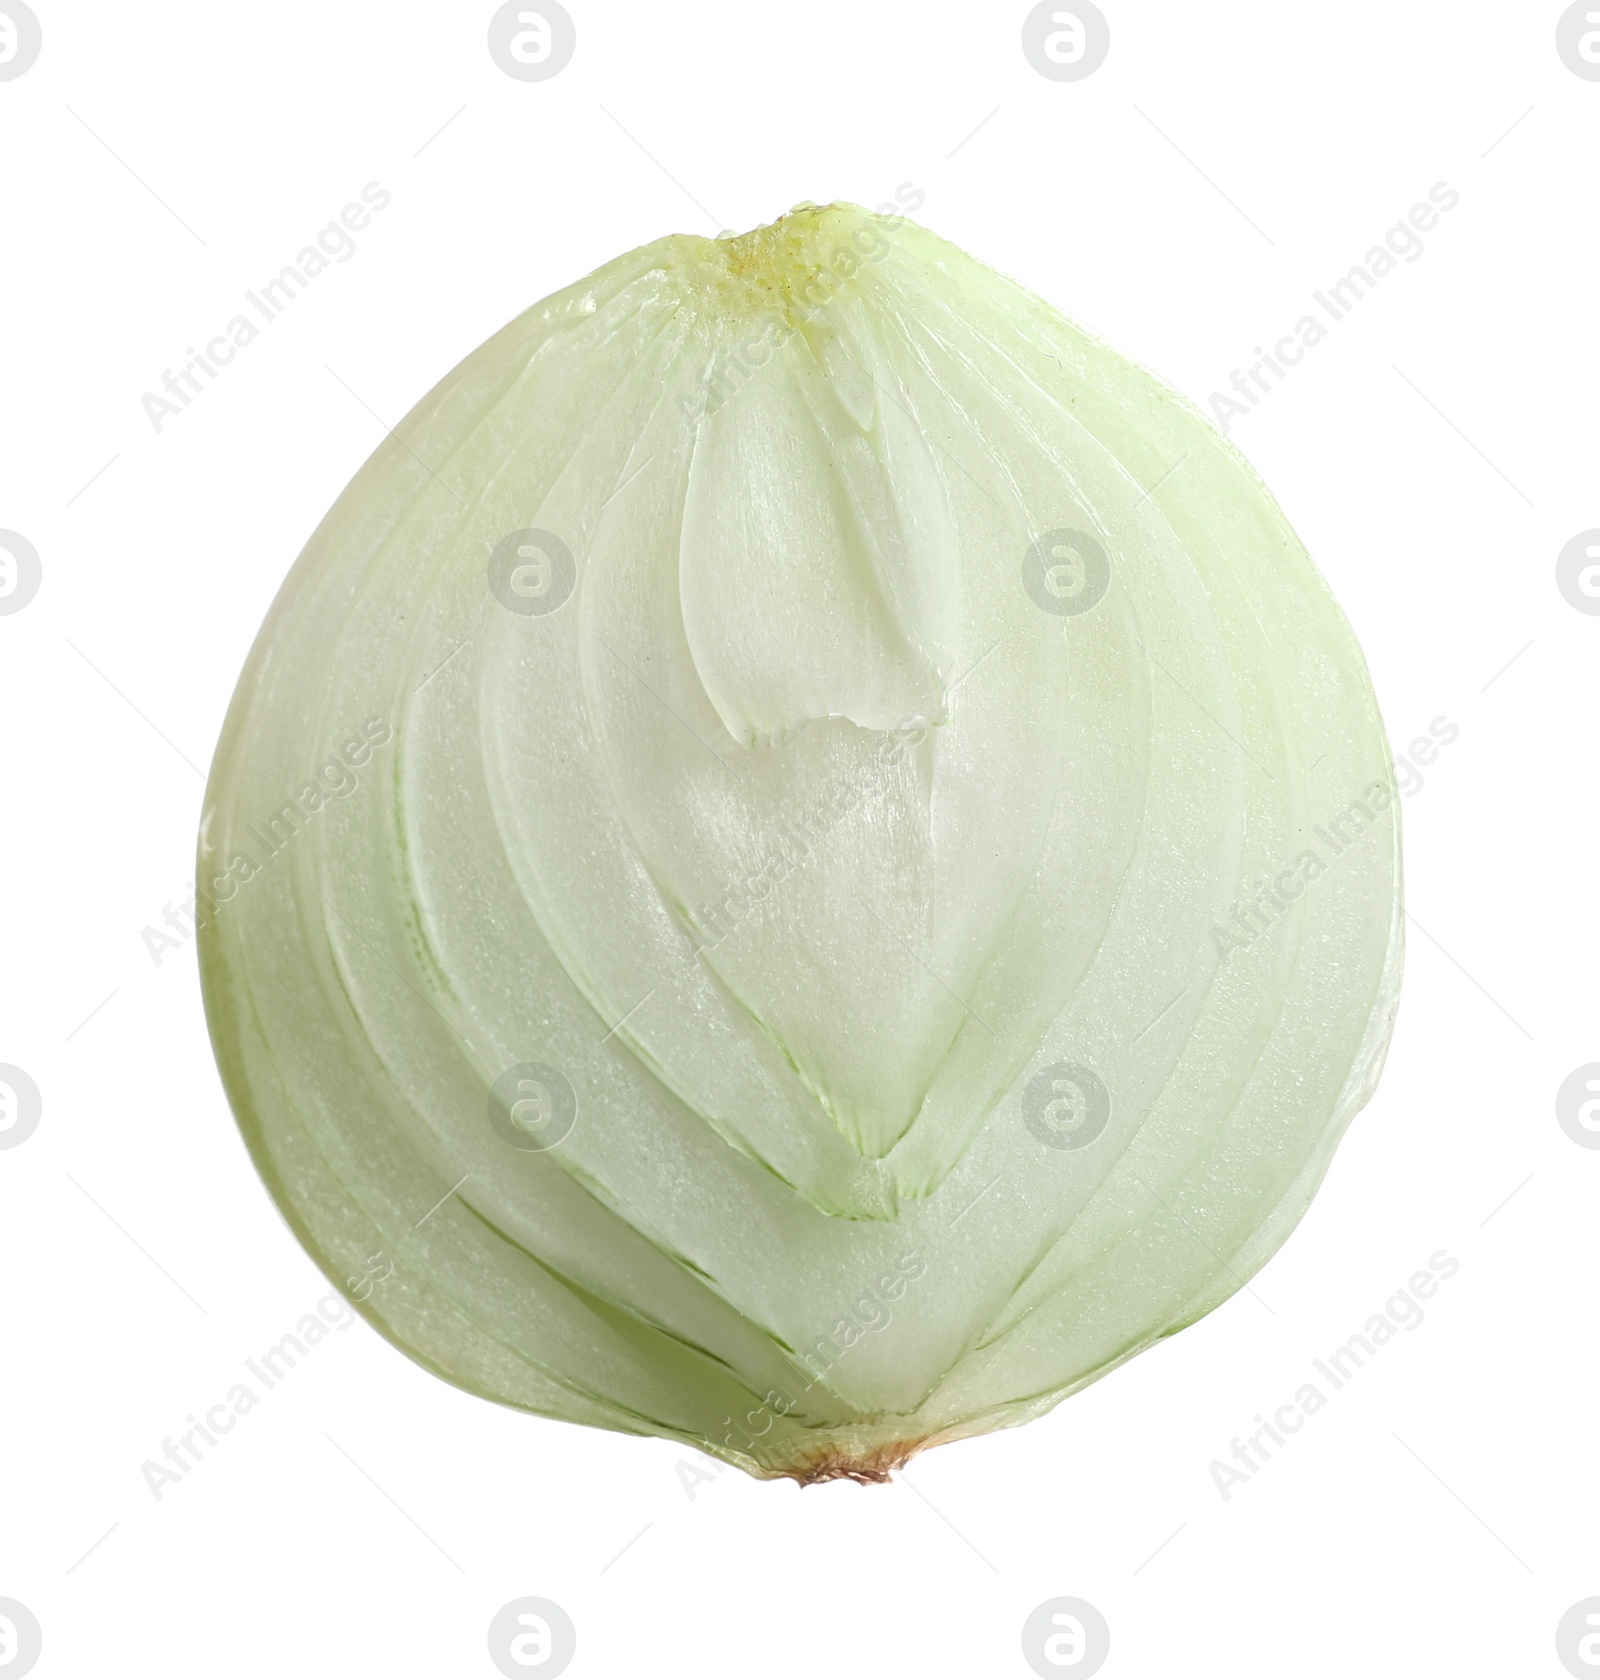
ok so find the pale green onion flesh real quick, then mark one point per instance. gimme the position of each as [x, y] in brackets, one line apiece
[820, 958]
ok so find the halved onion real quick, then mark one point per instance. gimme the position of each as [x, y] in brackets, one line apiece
[824, 824]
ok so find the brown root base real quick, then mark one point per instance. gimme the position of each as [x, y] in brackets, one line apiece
[832, 1465]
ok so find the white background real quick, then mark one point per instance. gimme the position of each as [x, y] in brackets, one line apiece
[1437, 1516]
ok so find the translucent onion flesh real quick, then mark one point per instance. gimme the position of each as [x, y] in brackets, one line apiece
[777, 806]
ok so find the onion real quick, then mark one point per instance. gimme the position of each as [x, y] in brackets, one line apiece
[803, 863]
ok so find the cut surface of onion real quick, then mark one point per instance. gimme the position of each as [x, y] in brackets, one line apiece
[803, 863]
